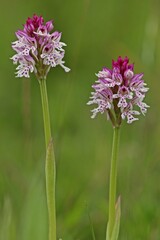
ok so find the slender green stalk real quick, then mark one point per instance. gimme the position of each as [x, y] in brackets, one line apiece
[50, 163]
[46, 116]
[113, 182]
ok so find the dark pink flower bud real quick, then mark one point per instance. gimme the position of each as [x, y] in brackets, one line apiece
[49, 26]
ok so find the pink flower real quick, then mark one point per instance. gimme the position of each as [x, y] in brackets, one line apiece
[118, 91]
[37, 49]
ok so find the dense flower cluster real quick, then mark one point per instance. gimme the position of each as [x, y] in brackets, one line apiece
[118, 91]
[37, 49]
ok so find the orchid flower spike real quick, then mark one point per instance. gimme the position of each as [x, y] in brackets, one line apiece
[118, 91]
[38, 49]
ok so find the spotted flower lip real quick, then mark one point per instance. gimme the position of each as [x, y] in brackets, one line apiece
[38, 49]
[118, 91]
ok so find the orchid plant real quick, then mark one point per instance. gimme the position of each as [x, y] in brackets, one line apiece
[118, 93]
[37, 50]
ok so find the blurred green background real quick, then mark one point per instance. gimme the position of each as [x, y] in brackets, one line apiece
[95, 32]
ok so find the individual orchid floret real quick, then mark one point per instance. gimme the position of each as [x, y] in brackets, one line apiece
[37, 49]
[118, 91]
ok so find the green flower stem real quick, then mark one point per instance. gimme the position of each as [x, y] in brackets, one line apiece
[50, 163]
[113, 181]
[46, 116]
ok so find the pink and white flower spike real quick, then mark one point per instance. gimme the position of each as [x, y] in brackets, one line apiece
[38, 49]
[118, 91]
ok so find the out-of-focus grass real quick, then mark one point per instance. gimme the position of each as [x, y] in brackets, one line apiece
[95, 32]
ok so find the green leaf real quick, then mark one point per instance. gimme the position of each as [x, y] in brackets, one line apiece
[115, 232]
[50, 189]
[50, 170]
[107, 237]
[116, 227]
